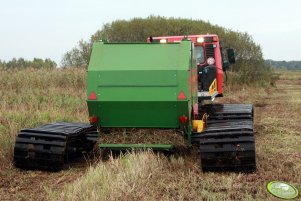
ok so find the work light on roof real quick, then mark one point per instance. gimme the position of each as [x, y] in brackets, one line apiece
[200, 40]
[163, 40]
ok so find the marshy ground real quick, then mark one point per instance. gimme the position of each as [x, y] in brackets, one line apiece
[31, 97]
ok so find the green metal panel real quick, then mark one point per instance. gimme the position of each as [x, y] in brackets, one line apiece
[159, 147]
[137, 85]
[123, 78]
[140, 56]
[145, 114]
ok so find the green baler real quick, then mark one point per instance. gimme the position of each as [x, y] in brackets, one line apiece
[145, 86]
[142, 85]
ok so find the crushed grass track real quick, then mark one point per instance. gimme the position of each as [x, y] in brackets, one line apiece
[144, 136]
[29, 98]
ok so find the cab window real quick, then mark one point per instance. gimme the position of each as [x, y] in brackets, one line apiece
[199, 54]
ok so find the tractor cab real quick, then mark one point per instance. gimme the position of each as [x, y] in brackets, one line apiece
[209, 58]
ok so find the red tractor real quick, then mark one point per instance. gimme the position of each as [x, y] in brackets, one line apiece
[210, 61]
[227, 142]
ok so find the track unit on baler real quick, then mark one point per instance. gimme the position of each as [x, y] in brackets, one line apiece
[49, 146]
[228, 141]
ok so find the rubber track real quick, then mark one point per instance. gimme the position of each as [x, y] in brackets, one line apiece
[228, 143]
[226, 112]
[49, 146]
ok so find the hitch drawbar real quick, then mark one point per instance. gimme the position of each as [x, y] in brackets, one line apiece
[49, 146]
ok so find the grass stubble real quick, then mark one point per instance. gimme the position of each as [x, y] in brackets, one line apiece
[32, 97]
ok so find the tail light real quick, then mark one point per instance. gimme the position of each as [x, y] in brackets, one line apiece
[182, 96]
[183, 119]
[92, 96]
[93, 119]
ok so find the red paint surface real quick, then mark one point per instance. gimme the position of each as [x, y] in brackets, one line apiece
[218, 58]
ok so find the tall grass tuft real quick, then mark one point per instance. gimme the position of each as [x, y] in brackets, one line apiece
[33, 96]
[127, 178]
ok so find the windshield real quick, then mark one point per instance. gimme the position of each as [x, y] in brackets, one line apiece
[199, 54]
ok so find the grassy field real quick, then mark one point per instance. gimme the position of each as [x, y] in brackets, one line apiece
[32, 97]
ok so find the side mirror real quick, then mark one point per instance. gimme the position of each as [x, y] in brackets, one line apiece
[231, 55]
[151, 39]
[226, 65]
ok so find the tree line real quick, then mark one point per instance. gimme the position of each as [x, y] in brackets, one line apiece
[250, 66]
[287, 65]
[21, 63]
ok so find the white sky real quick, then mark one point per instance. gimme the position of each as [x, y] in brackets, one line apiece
[49, 28]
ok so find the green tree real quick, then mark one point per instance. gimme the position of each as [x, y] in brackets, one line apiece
[250, 65]
[2, 64]
[79, 56]
[22, 63]
[289, 65]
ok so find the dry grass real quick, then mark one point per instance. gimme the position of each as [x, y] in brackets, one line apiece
[29, 98]
[125, 178]
[147, 176]
[32, 97]
[144, 136]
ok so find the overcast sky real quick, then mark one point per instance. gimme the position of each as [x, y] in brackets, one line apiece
[49, 28]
